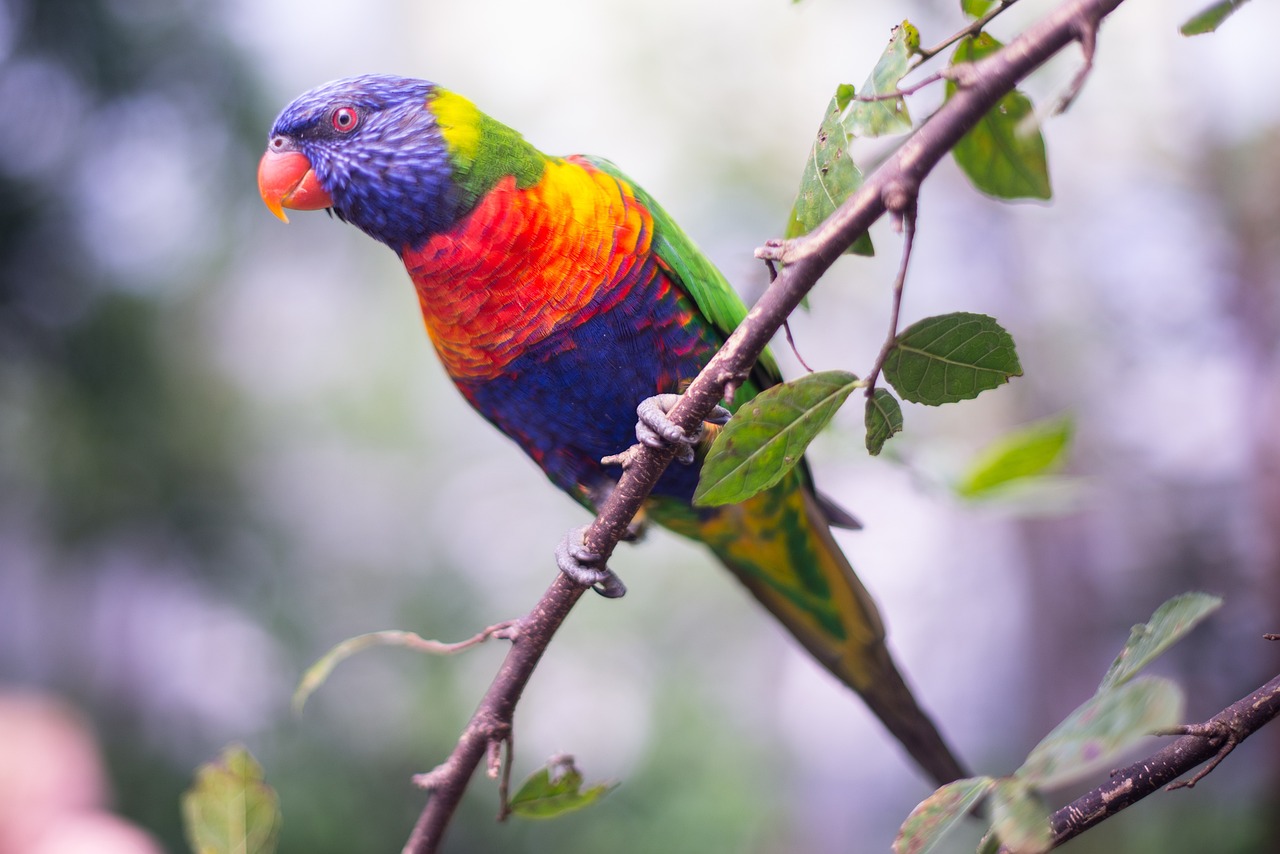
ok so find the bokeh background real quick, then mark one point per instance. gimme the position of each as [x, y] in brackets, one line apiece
[225, 444]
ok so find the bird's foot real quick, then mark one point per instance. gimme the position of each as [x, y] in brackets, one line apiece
[656, 429]
[586, 567]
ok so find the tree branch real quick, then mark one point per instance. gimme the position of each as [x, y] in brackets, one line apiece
[1209, 741]
[806, 259]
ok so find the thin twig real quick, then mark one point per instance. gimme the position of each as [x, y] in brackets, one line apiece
[805, 260]
[904, 91]
[973, 29]
[908, 238]
[1088, 37]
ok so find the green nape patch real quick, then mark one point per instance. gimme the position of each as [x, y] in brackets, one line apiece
[483, 149]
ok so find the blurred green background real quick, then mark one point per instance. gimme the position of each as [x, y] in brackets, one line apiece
[225, 444]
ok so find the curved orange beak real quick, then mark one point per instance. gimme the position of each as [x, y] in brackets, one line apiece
[286, 180]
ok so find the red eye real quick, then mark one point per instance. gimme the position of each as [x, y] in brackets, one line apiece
[345, 119]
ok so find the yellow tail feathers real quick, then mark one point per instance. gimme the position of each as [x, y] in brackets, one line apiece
[779, 545]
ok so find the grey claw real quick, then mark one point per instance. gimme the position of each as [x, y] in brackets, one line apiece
[582, 566]
[656, 429]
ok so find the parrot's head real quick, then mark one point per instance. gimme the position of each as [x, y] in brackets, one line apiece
[371, 150]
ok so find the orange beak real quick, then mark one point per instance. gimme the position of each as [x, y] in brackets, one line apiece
[286, 180]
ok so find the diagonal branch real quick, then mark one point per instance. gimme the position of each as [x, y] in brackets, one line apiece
[805, 260]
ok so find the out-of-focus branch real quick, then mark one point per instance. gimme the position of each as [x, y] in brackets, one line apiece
[892, 187]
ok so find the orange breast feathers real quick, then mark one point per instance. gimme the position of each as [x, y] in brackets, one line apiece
[527, 264]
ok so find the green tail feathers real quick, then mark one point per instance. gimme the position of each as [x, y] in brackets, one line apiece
[780, 546]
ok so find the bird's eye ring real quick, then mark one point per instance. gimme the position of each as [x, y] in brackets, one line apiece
[345, 119]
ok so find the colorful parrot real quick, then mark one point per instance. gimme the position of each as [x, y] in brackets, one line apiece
[559, 295]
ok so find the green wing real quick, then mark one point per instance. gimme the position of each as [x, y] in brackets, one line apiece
[694, 273]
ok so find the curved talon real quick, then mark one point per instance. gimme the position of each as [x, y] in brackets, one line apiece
[580, 565]
[656, 429]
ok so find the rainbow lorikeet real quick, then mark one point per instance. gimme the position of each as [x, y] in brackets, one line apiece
[559, 295]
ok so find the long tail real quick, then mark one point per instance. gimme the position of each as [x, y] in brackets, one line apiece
[779, 545]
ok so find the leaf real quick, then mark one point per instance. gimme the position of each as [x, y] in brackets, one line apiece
[230, 809]
[883, 419]
[556, 789]
[935, 816]
[1019, 818]
[1210, 18]
[767, 436]
[830, 176]
[1029, 452]
[976, 8]
[951, 357]
[1102, 728]
[1169, 624]
[878, 118]
[1003, 154]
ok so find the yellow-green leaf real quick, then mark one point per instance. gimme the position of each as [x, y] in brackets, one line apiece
[230, 809]
[951, 357]
[1032, 451]
[976, 8]
[830, 176]
[554, 790]
[767, 436]
[1003, 155]
[1210, 18]
[877, 118]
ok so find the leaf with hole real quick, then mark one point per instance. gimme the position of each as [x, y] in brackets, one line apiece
[883, 419]
[830, 176]
[1101, 729]
[230, 809]
[951, 357]
[554, 790]
[935, 816]
[1169, 624]
[1003, 155]
[878, 118]
[767, 436]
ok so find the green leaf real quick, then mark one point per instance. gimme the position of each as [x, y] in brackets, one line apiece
[937, 814]
[1032, 451]
[883, 419]
[230, 809]
[877, 118]
[1101, 729]
[1003, 154]
[951, 357]
[830, 176]
[555, 790]
[1210, 18]
[767, 436]
[1169, 624]
[976, 8]
[1019, 818]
